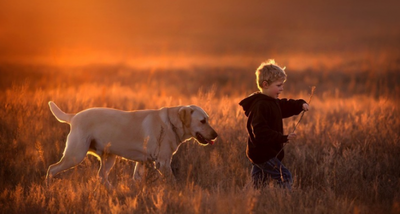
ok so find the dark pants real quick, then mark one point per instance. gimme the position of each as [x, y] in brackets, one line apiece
[272, 169]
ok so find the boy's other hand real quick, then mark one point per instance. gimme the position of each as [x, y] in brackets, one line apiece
[291, 136]
[305, 107]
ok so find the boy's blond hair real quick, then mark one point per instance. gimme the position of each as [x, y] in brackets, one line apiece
[270, 72]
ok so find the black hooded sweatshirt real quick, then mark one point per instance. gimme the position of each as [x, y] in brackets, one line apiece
[265, 126]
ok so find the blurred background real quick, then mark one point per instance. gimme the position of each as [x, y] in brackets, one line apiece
[181, 33]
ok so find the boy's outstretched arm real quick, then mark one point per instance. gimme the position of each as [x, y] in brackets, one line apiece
[291, 107]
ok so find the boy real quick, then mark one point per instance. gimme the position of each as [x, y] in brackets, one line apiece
[265, 128]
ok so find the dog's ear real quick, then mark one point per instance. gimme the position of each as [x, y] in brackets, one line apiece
[185, 114]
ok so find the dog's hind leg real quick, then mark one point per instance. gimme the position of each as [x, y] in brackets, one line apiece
[75, 151]
[107, 162]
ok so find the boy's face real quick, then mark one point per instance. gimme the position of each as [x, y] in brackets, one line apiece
[274, 89]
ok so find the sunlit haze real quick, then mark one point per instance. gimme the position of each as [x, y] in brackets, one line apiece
[185, 33]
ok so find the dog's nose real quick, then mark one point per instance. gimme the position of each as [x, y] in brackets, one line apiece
[214, 135]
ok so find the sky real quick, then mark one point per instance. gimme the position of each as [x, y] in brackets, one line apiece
[193, 32]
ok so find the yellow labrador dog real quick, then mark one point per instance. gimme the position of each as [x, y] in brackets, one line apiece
[144, 136]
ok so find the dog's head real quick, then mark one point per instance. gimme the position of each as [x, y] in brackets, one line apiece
[195, 120]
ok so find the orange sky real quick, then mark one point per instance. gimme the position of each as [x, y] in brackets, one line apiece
[182, 31]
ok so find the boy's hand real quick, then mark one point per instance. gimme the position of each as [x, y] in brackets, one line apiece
[291, 136]
[305, 107]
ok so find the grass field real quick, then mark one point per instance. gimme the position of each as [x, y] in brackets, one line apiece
[345, 159]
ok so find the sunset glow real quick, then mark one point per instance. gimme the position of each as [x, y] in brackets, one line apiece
[180, 33]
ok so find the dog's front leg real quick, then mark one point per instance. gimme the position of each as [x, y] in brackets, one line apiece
[166, 171]
[138, 173]
[146, 171]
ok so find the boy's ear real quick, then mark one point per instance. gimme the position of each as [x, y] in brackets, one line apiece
[265, 84]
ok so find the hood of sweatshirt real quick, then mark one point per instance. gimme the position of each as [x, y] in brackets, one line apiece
[247, 102]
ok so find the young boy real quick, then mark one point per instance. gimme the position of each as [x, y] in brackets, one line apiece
[265, 128]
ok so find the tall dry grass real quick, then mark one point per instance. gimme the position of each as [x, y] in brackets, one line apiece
[345, 159]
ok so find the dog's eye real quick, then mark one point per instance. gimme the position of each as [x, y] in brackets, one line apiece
[203, 121]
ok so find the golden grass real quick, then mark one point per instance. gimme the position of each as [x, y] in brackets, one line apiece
[345, 159]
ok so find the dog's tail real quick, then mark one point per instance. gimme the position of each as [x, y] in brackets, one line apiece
[60, 115]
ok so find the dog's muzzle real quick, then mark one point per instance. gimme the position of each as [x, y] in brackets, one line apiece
[202, 140]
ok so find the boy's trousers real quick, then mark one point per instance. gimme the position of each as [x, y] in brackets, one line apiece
[272, 169]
